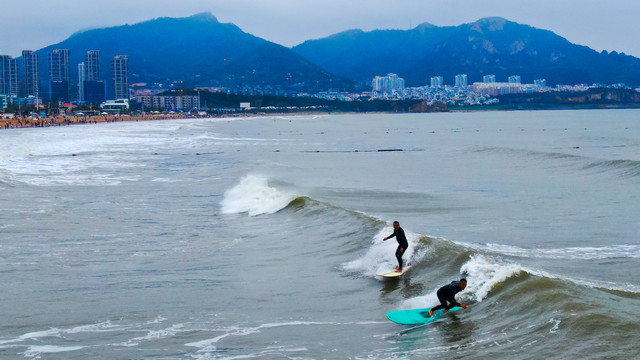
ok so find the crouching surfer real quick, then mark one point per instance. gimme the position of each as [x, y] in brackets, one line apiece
[447, 294]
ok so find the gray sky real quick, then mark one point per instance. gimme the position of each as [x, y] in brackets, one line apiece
[600, 24]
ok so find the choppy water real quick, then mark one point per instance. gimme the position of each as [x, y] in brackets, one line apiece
[261, 237]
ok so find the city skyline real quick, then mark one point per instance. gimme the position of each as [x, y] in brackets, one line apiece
[600, 26]
[27, 83]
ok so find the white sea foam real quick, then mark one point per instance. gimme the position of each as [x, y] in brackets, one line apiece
[156, 335]
[482, 274]
[33, 335]
[106, 326]
[92, 328]
[254, 196]
[571, 253]
[556, 325]
[609, 285]
[380, 256]
[270, 352]
[37, 351]
[206, 348]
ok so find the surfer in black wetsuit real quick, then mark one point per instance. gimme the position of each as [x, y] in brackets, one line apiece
[402, 243]
[448, 293]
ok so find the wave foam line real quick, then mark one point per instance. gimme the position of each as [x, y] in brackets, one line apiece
[57, 332]
[572, 253]
[156, 335]
[207, 346]
[254, 196]
[37, 350]
[483, 274]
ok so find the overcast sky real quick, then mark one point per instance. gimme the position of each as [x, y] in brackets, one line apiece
[600, 24]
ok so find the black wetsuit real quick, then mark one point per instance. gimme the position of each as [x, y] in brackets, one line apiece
[402, 244]
[446, 294]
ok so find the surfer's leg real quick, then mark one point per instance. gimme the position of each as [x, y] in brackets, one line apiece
[443, 303]
[399, 254]
[451, 301]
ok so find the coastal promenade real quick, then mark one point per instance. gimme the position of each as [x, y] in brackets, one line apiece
[74, 120]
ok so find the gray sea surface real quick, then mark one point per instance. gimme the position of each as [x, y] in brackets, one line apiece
[261, 237]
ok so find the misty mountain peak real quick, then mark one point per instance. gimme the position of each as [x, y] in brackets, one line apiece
[204, 16]
[425, 25]
[494, 23]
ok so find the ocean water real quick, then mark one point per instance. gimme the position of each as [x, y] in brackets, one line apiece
[261, 237]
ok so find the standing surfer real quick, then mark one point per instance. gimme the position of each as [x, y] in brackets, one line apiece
[402, 243]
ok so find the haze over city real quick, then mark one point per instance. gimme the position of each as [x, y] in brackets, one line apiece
[609, 25]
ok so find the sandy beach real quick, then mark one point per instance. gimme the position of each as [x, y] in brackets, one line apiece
[73, 120]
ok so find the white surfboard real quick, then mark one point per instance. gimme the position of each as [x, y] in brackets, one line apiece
[391, 274]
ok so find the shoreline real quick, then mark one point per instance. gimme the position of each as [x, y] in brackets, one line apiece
[51, 121]
[21, 123]
[18, 123]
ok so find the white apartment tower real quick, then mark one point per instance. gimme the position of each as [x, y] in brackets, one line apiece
[92, 65]
[82, 76]
[461, 80]
[437, 81]
[120, 71]
[8, 76]
[387, 84]
[514, 79]
[30, 76]
[489, 79]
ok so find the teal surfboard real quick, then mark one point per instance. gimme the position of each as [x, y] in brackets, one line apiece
[416, 316]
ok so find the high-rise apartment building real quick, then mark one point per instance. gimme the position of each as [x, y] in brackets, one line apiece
[389, 83]
[489, 79]
[8, 76]
[514, 79]
[59, 75]
[120, 71]
[461, 80]
[59, 65]
[30, 75]
[82, 77]
[92, 65]
[91, 89]
[437, 81]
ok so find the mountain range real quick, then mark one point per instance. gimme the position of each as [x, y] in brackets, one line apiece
[488, 46]
[201, 51]
[198, 51]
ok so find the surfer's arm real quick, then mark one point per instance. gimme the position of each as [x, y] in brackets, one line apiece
[390, 236]
[453, 301]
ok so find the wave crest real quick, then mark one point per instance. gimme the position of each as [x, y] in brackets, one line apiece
[380, 256]
[572, 253]
[483, 275]
[254, 196]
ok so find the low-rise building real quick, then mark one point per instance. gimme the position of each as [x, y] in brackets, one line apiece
[497, 88]
[170, 102]
[115, 106]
